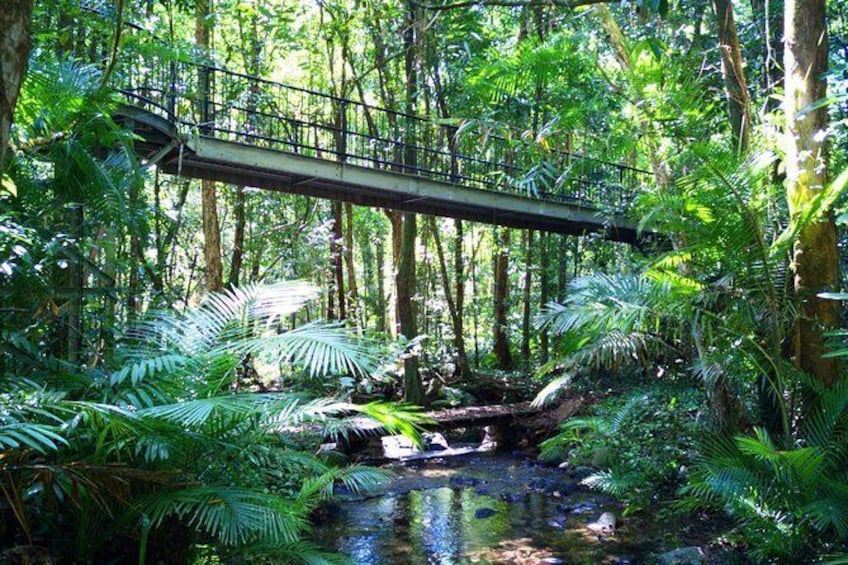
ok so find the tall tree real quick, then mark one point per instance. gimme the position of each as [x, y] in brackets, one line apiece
[502, 350]
[352, 289]
[209, 195]
[462, 366]
[413, 390]
[815, 254]
[336, 257]
[544, 288]
[15, 44]
[528, 277]
[733, 72]
[406, 283]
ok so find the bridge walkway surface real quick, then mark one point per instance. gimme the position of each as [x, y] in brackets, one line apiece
[205, 122]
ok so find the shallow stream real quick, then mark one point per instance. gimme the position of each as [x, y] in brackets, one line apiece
[482, 508]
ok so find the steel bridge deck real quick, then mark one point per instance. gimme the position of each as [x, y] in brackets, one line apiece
[207, 157]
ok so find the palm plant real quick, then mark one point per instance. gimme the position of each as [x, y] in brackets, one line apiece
[787, 500]
[233, 467]
[722, 297]
[717, 297]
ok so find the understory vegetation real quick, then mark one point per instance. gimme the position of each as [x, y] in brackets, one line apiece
[179, 345]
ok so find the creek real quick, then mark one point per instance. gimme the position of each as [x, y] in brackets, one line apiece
[483, 508]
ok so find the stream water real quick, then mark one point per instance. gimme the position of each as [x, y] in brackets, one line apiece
[481, 508]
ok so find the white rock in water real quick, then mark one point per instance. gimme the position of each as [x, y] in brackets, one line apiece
[395, 447]
[435, 441]
[603, 525]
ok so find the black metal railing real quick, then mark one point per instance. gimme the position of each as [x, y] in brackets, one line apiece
[236, 107]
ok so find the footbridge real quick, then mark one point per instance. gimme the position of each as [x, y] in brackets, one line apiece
[206, 122]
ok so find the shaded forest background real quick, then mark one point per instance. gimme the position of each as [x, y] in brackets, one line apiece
[136, 307]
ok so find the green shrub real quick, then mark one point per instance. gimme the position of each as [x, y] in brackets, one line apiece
[639, 443]
[789, 501]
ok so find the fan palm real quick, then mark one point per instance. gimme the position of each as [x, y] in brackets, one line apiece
[786, 499]
[234, 467]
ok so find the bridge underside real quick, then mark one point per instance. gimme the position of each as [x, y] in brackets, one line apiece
[251, 165]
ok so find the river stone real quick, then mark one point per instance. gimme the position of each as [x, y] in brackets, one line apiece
[512, 497]
[584, 507]
[395, 447]
[484, 513]
[603, 525]
[435, 441]
[460, 481]
[684, 556]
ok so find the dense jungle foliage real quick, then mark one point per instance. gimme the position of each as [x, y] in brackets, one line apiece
[175, 350]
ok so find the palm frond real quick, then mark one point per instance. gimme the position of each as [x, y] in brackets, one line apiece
[233, 516]
[612, 482]
[320, 349]
[396, 418]
[26, 435]
[300, 551]
[551, 390]
[355, 478]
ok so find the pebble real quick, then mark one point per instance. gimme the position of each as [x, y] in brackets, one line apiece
[484, 513]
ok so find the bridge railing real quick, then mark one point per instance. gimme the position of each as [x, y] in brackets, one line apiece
[237, 107]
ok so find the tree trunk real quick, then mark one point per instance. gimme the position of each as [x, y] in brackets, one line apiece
[733, 72]
[815, 254]
[562, 270]
[336, 240]
[381, 301]
[544, 290]
[209, 196]
[15, 43]
[136, 261]
[462, 367]
[396, 221]
[413, 391]
[528, 278]
[459, 284]
[238, 238]
[352, 290]
[211, 237]
[502, 351]
[475, 310]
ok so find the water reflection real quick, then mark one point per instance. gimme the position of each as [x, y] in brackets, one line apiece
[485, 510]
